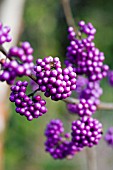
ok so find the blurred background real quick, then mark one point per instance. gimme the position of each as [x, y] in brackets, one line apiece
[43, 24]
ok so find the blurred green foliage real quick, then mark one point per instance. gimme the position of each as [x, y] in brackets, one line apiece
[44, 26]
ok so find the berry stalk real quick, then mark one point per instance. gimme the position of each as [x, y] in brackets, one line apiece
[101, 106]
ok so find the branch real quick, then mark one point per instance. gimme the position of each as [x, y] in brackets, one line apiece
[101, 106]
[33, 77]
[91, 158]
[68, 14]
[3, 50]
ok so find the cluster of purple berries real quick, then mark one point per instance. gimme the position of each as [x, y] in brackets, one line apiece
[85, 107]
[92, 91]
[4, 34]
[53, 80]
[82, 54]
[20, 63]
[88, 30]
[57, 143]
[86, 132]
[89, 99]
[82, 58]
[109, 136]
[31, 108]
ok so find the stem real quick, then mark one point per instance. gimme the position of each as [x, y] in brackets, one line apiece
[33, 77]
[91, 158]
[101, 106]
[68, 14]
[3, 50]
[31, 94]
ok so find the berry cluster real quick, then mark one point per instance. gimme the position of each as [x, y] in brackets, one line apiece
[57, 143]
[82, 54]
[53, 80]
[86, 132]
[20, 63]
[89, 99]
[84, 59]
[4, 34]
[31, 108]
[109, 136]
[92, 91]
[85, 107]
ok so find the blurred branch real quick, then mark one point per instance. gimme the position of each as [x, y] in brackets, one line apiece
[91, 158]
[101, 106]
[3, 50]
[68, 14]
[33, 77]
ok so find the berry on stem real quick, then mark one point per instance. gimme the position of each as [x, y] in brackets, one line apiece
[53, 80]
[31, 108]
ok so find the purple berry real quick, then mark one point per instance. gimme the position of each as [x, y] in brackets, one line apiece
[53, 80]
[31, 108]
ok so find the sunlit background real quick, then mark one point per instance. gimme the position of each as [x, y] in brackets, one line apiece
[45, 27]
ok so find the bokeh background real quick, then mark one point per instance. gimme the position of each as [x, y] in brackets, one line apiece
[45, 27]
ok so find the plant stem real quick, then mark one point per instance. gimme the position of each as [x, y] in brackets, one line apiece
[91, 158]
[68, 14]
[33, 77]
[101, 106]
[3, 50]
[31, 94]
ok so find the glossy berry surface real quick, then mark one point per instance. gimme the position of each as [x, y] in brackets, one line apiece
[54, 81]
[82, 54]
[86, 131]
[20, 63]
[25, 106]
[57, 143]
[89, 98]
[93, 91]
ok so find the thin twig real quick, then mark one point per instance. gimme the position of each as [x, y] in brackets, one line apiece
[32, 94]
[3, 50]
[68, 14]
[101, 106]
[33, 77]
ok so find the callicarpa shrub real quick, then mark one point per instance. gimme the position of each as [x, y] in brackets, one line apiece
[84, 69]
